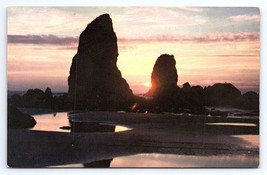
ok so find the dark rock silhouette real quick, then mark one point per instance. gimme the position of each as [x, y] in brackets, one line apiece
[18, 120]
[95, 82]
[192, 98]
[249, 100]
[164, 76]
[34, 98]
[63, 102]
[167, 96]
[222, 94]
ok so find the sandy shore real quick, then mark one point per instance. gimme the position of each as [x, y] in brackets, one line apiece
[150, 133]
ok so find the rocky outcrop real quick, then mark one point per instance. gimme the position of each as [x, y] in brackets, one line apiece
[18, 120]
[192, 98]
[33, 98]
[164, 76]
[95, 82]
[167, 96]
[222, 94]
[249, 100]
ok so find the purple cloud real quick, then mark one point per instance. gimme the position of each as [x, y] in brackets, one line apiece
[41, 39]
[212, 37]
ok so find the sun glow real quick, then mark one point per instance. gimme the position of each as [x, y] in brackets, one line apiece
[204, 54]
[147, 84]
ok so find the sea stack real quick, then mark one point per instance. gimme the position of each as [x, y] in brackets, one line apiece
[164, 76]
[167, 96]
[164, 90]
[95, 82]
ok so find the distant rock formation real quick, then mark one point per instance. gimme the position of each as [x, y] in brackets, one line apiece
[249, 100]
[191, 98]
[167, 96]
[222, 94]
[34, 98]
[164, 76]
[18, 120]
[95, 82]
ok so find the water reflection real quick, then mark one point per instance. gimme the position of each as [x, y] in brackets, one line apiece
[153, 147]
[232, 124]
[59, 122]
[98, 164]
[170, 160]
[52, 122]
[160, 160]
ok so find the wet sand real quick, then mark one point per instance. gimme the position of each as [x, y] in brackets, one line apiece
[151, 133]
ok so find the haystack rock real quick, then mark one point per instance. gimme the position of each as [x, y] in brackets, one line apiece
[166, 95]
[164, 76]
[95, 82]
[164, 90]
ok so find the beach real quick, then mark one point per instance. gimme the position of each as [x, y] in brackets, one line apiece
[175, 134]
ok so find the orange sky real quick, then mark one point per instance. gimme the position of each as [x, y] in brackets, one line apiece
[210, 45]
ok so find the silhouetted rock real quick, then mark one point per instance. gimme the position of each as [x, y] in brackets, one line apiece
[48, 93]
[95, 82]
[167, 96]
[18, 120]
[164, 76]
[15, 100]
[193, 98]
[63, 102]
[34, 98]
[249, 100]
[222, 94]
[186, 85]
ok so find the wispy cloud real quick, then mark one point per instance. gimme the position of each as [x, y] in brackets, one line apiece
[41, 39]
[212, 37]
[242, 18]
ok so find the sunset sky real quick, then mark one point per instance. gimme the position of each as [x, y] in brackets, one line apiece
[210, 45]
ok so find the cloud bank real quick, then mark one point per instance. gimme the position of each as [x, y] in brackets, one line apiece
[212, 37]
[41, 39]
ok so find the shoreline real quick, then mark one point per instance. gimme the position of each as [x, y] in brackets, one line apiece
[39, 111]
[158, 133]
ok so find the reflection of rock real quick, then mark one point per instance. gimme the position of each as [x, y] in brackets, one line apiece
[98, 164]
[95, 83]
[18, 120]
[91, 127]
[222, 94]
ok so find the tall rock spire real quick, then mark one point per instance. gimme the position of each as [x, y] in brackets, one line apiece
[95, 82]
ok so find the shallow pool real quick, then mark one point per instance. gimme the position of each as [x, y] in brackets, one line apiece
[59, 122]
